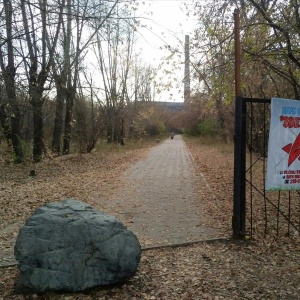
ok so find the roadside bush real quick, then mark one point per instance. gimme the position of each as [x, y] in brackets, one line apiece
[193, 131]
[208, 127]
[155, 129]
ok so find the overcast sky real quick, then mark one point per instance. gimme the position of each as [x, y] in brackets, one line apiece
[166, 24]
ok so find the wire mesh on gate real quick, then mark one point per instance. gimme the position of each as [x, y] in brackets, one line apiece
[267, 213]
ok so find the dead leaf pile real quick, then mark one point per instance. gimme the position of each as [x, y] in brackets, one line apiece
[213, 164]
[257, 269]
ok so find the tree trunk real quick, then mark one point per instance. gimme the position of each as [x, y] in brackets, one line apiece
[68, 125]
[109, 125]
[58, 122]
[109, 132]
[16, 137]
[221, 120]
[38, 131]
[122, 132]
[9, 73]
[5, 125]
[15, 119]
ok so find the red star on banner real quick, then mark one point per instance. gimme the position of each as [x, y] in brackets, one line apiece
[293, 150]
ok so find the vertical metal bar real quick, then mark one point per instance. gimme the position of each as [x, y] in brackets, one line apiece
[239, 201]
[278, 214]
[251, 170]
[289, 216]
[298, 211]
[239, 207]
[264, 169]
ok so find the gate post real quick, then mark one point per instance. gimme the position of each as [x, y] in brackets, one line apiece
[239, 191]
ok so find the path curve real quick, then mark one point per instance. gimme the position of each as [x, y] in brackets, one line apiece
[159, 197]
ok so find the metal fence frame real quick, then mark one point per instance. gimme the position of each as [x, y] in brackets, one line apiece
[242, 202]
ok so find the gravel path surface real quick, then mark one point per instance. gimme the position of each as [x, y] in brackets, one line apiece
[159, 200]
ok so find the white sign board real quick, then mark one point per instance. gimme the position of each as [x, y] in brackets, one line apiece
[283, 170]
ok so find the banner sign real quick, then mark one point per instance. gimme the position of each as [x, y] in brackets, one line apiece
[283, 169]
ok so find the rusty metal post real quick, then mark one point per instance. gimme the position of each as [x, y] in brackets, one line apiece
[237, 48]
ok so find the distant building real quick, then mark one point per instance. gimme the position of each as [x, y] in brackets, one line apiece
[172, 106]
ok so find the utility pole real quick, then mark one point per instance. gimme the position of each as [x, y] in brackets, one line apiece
[186, 80]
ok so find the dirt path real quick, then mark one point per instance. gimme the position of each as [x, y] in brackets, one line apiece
[158, 200]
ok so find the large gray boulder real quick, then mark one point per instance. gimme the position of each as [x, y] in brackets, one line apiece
[69, 246]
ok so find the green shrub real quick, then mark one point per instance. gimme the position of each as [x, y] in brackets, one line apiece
[192, 131]
[155, 129]
[208, 127]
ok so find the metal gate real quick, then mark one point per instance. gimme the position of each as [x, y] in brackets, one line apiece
[257, 211]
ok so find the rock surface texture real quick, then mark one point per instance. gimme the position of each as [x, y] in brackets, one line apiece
[69, 246]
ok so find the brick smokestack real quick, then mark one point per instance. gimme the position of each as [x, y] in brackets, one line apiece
[187, 88]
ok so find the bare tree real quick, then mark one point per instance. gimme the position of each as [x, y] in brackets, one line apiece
[114, 51]
[40, 57]
[10, 118]
[279, 52]
[77, 37]
[95, 117]
[270, 52]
